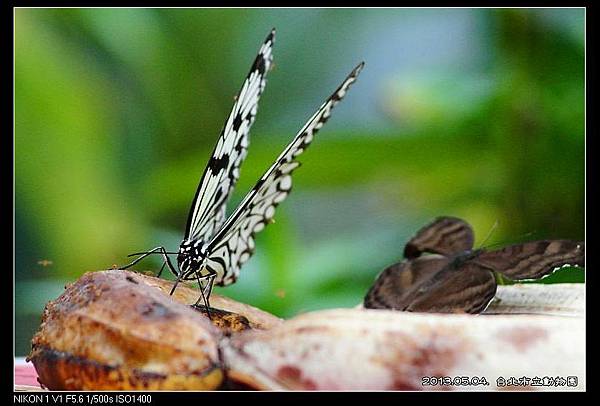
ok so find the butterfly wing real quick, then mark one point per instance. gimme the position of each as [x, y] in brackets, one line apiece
[433, 284]
[445, 236]
[234, 243]
[466, 289]
[535, 259]
[397, 285]
[207, 213]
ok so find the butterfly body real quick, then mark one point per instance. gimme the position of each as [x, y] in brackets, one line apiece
[215, 246]
[458, 260]
[454, 277]
[191, 258]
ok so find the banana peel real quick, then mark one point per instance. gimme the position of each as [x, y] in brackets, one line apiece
[121, 330]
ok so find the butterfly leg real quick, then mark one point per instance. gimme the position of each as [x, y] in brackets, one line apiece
[179, 276]
[158, 250]
[152, 251]
[209, 286]
[168, 263]
[202, 296]
[161, 269]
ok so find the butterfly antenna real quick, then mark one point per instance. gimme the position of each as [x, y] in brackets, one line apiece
[151, 253]
[512, 241]
[489, 234]
[527, 234]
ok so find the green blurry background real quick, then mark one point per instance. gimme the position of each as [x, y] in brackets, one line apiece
[472, 113]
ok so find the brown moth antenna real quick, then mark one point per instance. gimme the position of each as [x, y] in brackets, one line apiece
[489, 234]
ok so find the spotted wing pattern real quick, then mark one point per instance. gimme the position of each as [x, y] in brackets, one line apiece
[445, 235]
[233, 245]
[533, 260]
[207, 213]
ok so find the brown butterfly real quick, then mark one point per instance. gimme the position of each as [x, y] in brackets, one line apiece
[456, 278]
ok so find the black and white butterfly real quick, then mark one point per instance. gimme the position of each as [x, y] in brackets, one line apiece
[457, 278]
[214, 246]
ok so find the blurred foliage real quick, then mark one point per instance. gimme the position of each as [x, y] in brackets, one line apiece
[472, 113]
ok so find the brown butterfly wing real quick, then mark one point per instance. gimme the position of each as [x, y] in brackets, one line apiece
[535, 259]
[445, 235]
[468, 288]
[397, 285]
